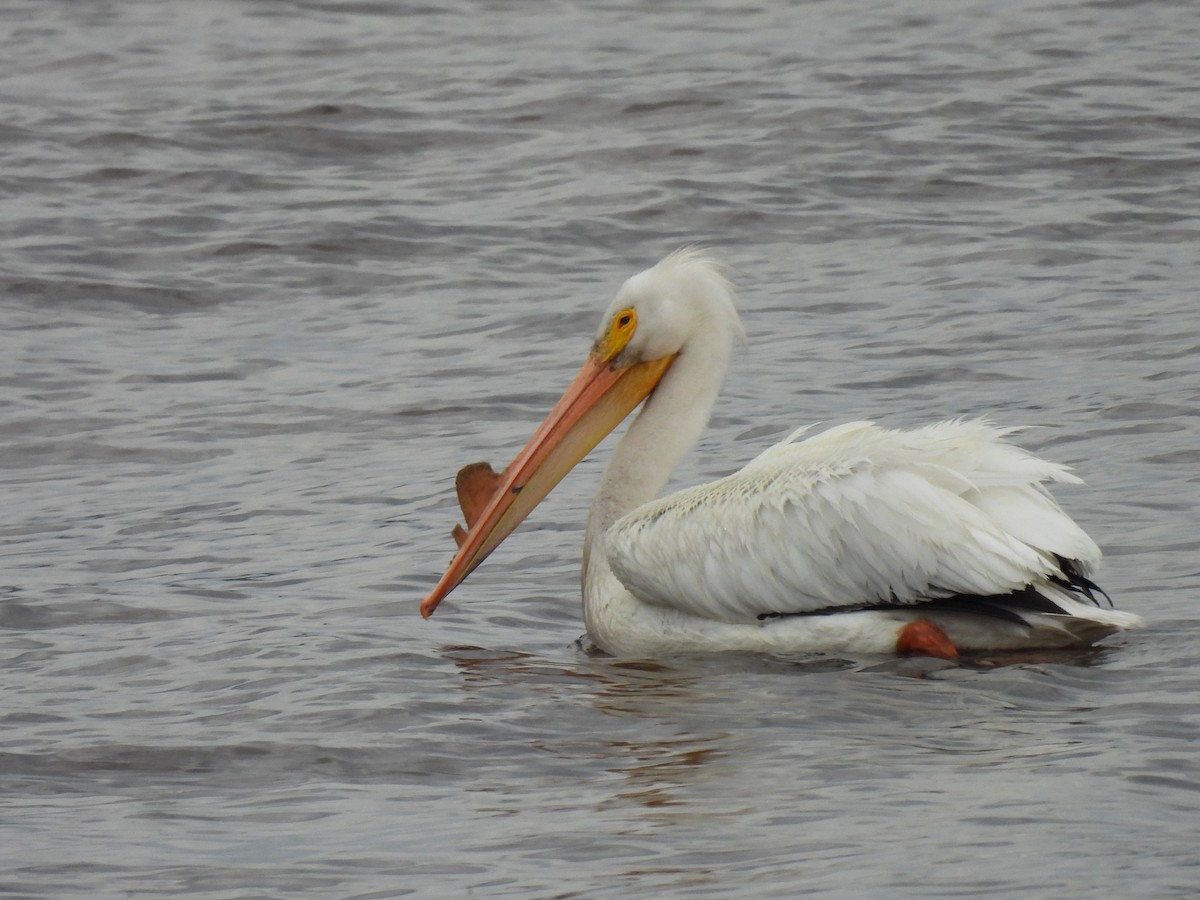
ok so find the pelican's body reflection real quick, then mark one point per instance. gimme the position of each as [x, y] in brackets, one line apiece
[658, 726]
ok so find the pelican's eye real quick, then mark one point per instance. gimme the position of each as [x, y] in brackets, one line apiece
[624, 324]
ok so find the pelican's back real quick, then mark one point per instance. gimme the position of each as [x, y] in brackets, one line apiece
[856, 516]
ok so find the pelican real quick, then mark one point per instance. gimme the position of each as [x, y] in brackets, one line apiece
[940, 540]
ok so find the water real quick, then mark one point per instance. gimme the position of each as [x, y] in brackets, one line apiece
[272, 272]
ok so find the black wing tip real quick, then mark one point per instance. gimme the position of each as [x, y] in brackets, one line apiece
[1000, 606]
[1076, 582]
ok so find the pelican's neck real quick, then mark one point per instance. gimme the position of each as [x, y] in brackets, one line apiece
[667, 426]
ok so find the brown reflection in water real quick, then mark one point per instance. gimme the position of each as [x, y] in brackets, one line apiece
[656, 772]
[680, 697]
[660, 768]
[483, 667]
[1072, 656]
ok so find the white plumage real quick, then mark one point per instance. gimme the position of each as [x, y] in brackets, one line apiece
[839, 541]
[856, 514]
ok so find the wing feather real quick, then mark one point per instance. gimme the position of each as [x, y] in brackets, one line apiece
[853, 516]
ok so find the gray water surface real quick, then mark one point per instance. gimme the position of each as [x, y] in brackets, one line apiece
[271, 272]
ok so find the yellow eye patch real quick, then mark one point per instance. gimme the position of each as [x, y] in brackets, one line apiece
[624, 324]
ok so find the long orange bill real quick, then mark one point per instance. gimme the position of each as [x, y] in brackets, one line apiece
[601, 395]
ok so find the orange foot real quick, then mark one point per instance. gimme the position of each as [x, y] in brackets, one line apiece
[924, 638]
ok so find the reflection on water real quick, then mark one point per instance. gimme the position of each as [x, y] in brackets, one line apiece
[652, 769]
[673, 731]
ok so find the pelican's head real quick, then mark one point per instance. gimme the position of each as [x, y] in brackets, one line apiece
[656, 315]
[658, 312]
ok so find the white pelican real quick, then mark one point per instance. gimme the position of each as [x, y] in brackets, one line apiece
[937, 540]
